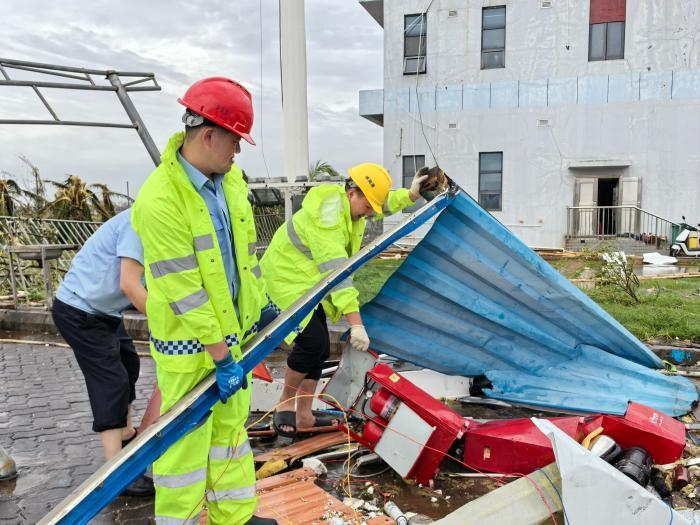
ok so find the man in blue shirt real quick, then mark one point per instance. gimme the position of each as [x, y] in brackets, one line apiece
[104, 279]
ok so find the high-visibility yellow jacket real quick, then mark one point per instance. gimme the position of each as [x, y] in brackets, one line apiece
[189, 304]
[318, 239]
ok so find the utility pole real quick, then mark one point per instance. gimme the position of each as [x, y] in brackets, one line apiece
[294, 103]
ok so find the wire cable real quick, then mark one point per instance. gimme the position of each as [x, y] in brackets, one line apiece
[262, 103]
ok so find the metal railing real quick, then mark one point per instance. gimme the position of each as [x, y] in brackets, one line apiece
[615, 222]
[32, 231]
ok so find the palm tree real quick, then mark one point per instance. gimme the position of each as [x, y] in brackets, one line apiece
[318, 167]
[74, 200]
[108, 204]
[9, 190]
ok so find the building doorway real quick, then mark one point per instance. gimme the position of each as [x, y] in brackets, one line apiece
[607, 197]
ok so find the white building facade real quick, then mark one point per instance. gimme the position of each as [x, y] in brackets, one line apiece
[547, 110]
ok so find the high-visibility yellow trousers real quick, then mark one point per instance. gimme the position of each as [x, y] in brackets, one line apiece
[213, 462]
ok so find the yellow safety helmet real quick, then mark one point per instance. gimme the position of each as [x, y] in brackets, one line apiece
[374, 182]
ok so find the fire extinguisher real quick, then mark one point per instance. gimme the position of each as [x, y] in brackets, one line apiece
[384, 404]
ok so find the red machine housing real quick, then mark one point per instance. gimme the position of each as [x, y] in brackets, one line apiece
[393, 424]
[517, 445]
[413, 432]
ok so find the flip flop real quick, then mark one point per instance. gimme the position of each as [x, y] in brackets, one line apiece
[322, 423]
[285, 418]
[125, 442]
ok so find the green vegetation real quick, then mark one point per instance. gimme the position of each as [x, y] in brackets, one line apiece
[668, 308]
[370, 278]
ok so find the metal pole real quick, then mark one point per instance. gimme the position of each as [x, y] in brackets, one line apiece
[135, 117]
[294, 103]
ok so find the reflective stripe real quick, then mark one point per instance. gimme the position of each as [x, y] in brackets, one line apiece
[168, 520]
[252, 247]
[228, 494]
[176, 481]
[178, 264]
[188, 346]
[203, 242]
[256, 271]
[190, 302]
[296, 241]
[230, 453]
[332, 264]
[342, 285]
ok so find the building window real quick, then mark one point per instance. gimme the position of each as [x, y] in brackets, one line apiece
[490, 180]
[493, 37]
[415, 32]
[411, 164]
[606, 35]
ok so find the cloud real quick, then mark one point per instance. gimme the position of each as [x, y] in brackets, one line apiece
[182, 42]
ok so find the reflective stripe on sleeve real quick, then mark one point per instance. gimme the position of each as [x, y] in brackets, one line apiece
[332, 264]
[190, 302]
[296, 241]
[231, 494]
[229, 452]
[176, 481]
[342, 285]
[176, 265]
[203, 242]
[169, 520]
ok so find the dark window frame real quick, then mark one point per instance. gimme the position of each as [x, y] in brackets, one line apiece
[423, 45]
[407, 176]
[606, 56]
[491, 50]
[488, 172]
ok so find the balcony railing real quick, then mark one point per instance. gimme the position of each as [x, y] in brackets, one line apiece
[614, 222]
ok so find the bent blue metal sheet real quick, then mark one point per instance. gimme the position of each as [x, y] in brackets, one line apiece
[472, 299]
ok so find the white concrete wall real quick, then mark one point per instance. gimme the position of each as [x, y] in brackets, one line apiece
[645, 108]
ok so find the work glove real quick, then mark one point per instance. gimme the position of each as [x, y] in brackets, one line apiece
[359, 340]
[435, 183]
[415, 191]
[230, 377]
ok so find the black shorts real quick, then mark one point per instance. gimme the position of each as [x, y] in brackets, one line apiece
[107, 358]
[311, 347]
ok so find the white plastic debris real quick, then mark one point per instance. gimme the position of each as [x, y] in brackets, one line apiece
[657, 258]
[353, 503]
[370, 507]
[433, 500]
[370, 490]
[594, 491]
[316, 465]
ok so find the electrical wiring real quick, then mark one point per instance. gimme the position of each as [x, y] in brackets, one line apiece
[262, 102]
[348, 475]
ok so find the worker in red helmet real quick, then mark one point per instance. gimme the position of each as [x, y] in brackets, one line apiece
[205, 300]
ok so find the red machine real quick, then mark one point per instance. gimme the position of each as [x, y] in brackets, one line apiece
[516, 445]
[412, 431]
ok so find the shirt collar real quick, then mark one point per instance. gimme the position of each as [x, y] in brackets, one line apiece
[196, 177]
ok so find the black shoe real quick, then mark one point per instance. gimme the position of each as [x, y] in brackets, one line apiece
[256, 520]
[142, 487]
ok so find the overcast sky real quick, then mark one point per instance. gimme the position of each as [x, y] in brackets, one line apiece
[182, 42]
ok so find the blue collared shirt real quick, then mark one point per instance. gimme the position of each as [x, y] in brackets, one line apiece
[213, 194]
[92, 282]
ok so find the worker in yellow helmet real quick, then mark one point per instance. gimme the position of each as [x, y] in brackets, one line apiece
[321, 236]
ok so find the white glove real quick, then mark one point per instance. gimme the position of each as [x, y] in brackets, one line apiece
[418, 178]
[359, 340]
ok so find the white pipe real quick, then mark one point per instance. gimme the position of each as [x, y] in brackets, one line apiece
[294, 105]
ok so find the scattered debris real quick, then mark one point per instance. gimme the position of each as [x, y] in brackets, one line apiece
[314, 464]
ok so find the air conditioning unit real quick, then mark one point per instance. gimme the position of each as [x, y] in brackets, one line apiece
[546, 4]
[543, 122]
[452, 12]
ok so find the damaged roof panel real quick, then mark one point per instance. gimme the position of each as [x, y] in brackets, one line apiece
[472, 299]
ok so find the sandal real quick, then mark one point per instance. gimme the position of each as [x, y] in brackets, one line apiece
[125, 442]
[285, 418]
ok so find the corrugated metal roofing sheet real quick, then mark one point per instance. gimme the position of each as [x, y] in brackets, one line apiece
[472, 299]
[294, 498]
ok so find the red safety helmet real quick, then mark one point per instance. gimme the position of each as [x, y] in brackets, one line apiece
[224, 102]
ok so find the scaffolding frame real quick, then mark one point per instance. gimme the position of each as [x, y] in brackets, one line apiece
[83, 79]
